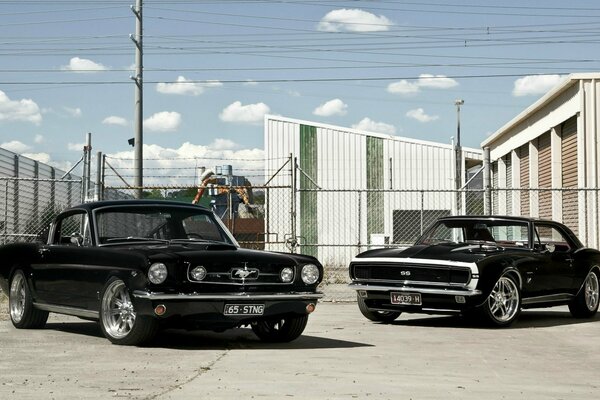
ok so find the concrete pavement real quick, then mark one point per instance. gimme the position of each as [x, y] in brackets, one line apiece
[545, 355]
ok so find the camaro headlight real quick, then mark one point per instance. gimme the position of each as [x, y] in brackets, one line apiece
[287, 274]
[198, 273]
[310, 274]
[157, 273]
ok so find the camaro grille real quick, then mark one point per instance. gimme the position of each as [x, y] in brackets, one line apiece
[408, 272]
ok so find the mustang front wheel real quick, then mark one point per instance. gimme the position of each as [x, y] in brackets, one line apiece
[281, 329]
[585, 304]
[503, 304]
[23, 313]
[119, 320]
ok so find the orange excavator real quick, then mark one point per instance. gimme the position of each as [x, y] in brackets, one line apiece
[208, 178]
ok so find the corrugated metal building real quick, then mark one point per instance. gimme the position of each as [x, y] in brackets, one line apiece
[355, 188]
[553, 144]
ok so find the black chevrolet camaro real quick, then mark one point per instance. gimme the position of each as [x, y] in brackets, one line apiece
[489, 267]
[137, 265]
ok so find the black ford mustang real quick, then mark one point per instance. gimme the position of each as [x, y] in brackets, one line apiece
[486, 266]
[137, 265]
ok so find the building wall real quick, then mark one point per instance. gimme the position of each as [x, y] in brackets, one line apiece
[556, 144]
[355, 171]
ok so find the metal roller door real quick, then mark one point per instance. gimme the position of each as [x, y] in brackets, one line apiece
[545, 175]
[569, 173]
[524, 184]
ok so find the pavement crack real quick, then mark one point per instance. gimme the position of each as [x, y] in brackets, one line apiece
[201, 371]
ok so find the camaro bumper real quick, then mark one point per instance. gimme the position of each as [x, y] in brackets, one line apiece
[430, 299]
[223, 310]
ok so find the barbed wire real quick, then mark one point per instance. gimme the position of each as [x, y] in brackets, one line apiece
[198, 158]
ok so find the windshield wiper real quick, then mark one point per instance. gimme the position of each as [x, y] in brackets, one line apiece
[135, 239]
[198, 240]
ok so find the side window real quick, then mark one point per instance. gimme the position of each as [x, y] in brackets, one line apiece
[551, 238]
[73, 226]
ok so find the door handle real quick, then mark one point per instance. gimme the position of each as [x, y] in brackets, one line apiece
[43, 251]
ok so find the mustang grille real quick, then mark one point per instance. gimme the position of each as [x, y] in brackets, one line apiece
[412, 272]
[233, 273]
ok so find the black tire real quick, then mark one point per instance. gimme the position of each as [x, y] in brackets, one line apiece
[23, 313]
[585, 304]
[377, 316]
[118, 319]
[280, 330]
[503, 305]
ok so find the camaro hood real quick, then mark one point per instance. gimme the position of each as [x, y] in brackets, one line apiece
[447, 251]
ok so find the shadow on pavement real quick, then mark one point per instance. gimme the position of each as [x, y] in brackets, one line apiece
[231, 339]
[527, 320]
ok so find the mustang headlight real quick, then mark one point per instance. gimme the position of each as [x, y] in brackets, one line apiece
[198, 273]
[310, 274]
[287, 275]
[157, 273]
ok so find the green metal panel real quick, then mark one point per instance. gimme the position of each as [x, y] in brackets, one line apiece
[375, 211]
[308, 200]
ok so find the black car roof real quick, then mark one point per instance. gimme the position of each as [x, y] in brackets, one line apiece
[109, 203]
[496, 218]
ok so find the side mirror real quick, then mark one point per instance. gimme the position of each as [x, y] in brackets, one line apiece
[77, 239]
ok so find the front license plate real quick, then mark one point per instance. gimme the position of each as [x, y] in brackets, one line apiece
[244, 309]
[413, 299]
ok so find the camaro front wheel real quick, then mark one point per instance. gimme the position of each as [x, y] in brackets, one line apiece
[377, 316]
[503, 305]
[23, 313]
[119, 320]
[280, 329]
[585, 304]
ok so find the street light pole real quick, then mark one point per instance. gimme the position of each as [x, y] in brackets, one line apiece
[458, 156]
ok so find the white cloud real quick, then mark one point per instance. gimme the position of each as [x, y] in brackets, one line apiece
[331, 107]
[248, 162]
[74, 112]
[38, 139]
[15, 146]
[419, 115]
[83, 65]
[75, 146]
[41, 157]
[403, 87]
[183, 86]
[353, 20]
[535, 84]
[251, 113]
[165, 121]
[114, 120]
[436, 81]
[19, 110]
[367, 124]
[222, 144]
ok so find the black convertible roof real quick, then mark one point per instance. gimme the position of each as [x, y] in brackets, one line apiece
[149, 202]
[495, 218]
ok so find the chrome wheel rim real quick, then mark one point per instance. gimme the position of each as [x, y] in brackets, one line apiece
[591, 291]
[118, 314]
[503, 302]
[17, 298]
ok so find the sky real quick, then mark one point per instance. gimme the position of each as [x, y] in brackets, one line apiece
[213, 69]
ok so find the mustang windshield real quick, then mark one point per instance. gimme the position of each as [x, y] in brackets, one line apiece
[502, 233]
[158, 223]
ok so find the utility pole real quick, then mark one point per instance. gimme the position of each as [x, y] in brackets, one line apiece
[138, 153]
[87, 159]
[458, 152]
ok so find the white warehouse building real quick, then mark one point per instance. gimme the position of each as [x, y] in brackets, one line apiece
[354, 189]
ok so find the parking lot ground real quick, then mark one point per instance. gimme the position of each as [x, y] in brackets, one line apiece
[545, 355]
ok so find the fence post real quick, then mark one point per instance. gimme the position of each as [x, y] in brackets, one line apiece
[16, 194]
[487, 187]
[99, 182]
[293, 239]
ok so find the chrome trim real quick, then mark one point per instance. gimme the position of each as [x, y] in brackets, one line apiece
[547, 299]
[358, 286]
[429, 283]
[78, 312]
[226, 296]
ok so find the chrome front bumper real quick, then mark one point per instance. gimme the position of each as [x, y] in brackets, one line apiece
[226, 296]
[412, 289]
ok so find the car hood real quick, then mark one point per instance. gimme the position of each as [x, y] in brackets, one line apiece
[223, 253]
[446, 251]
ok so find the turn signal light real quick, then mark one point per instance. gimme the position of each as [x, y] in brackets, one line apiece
[160, 309]
[310, 308]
